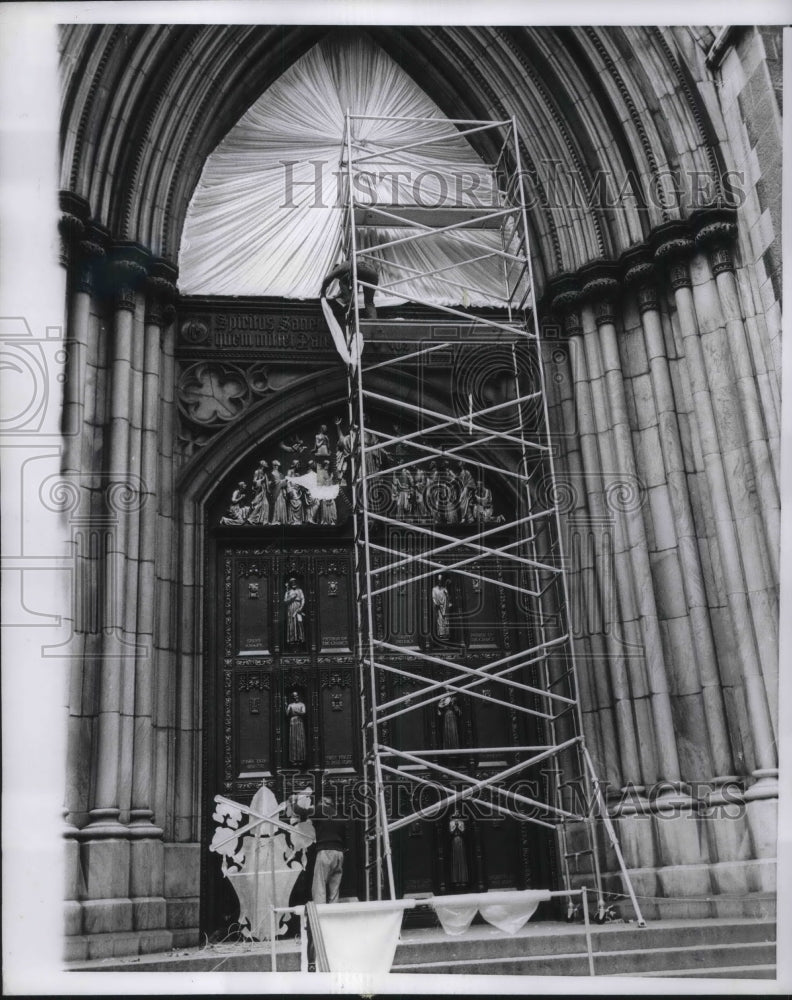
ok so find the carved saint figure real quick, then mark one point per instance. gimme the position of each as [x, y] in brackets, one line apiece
[260, 510]
[419, 493]
[447, 494]
[310, 502]
[240, 506]
[459, 866]
[295, 712]
[279, 513]
[449, 713]
[322, 443]
[483, 509]
[344, 445]
[294, 496]
[328, 512]
[294, 599]
[467, 489]
[403, 492]
[442, 605]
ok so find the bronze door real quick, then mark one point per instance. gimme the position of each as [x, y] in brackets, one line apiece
[281, 690]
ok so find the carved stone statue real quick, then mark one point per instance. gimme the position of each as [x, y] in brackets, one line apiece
[419, 493]
[459, 865]
[344, 446]
[483, 508]
[260, 509]
[403, 490]
[295, 713]
[441, 603]
[328, 512]
[295, 513]
[311, 502]
[322, 443]
[467, 490]
[447, 494]
[240, 506]
[449, 713]
[294, 599]
[279, 513]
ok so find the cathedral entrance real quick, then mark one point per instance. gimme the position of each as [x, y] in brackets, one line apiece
[281, 684]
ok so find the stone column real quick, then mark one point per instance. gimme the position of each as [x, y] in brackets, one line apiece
[127, 273]
[160, 292]
[755, 501]
[717, 239]
[674, 251]
[633, 764]
[167, 619]
[614, 425]
[702, 666]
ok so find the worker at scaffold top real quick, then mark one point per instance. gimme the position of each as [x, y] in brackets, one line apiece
[342, 297]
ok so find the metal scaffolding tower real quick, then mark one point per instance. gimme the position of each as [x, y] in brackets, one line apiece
[419, 524]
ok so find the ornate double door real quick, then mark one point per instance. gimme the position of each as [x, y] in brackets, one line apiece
[282, 706]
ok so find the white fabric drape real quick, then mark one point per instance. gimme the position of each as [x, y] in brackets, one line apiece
[455, 918]
[361, 937]
[508, 911]
[266, 216]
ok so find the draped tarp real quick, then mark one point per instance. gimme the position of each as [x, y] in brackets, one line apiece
[508, 911]
[361, 937]
[266, 216]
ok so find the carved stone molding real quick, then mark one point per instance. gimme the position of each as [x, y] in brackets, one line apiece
[211, 394]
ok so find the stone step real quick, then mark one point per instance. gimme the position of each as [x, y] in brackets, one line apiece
[546, 939]
[662, 961]
[665, 948]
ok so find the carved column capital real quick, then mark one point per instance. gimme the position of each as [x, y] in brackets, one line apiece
[161, 293]
[602, 292]
[566, 304]
[71, 229]
[674, 254]
[127, 273]
[640, 276]
[717, 239]
[74, 220]
[91, 257]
